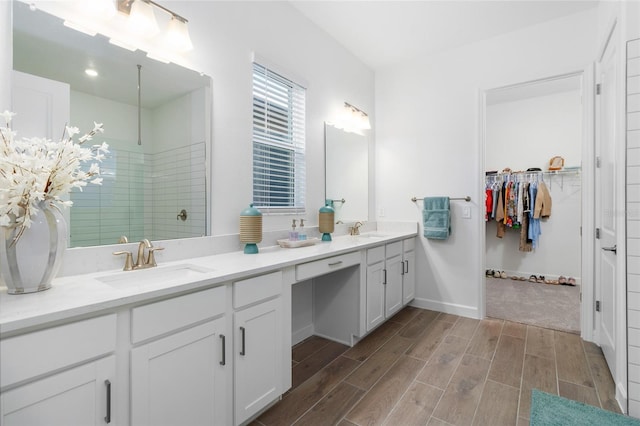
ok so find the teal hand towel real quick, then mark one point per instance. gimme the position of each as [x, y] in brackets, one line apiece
[436, 218]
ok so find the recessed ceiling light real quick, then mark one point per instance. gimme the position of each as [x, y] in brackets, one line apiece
[91, 72]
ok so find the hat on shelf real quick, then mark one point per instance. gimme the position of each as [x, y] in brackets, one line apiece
[556, 163]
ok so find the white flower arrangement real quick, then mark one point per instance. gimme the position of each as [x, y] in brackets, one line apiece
[33, 170]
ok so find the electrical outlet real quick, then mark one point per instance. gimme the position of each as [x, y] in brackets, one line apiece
[466, 212]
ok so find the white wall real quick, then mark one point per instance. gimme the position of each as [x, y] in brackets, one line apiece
[225, 34]
[6, 59]
[427, 140]
[527, 133]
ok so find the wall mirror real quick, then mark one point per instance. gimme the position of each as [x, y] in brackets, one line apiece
[347, 173]
[155, 178]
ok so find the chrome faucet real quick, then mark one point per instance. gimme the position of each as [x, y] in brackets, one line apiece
[355, 229]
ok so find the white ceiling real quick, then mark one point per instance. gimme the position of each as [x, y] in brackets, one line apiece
[382, 33]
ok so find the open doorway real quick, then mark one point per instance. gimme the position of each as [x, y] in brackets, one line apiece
[533, 154]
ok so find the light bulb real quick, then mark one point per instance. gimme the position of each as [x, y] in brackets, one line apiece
[178, 35]
[142, 20]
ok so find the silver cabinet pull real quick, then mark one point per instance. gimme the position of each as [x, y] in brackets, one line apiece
[242, 350]
[406, 262]
[107, 418]
[384, 281]
[335, 263]
[224, 350]
[614, 249]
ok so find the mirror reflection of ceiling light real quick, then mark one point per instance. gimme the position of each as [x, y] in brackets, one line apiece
[91, 72]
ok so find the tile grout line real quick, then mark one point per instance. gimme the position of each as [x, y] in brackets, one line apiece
[595, 384]
[486, 378]
[524, 356]
[423, 367]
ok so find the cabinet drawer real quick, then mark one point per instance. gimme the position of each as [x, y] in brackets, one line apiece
[393, 249]
[375, 255]
[162, 317]
[409, 244]
[33, 354]
[324, 266]
[254, 289]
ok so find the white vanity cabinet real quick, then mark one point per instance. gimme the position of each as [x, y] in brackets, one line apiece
[384, 293]
[60, 376]
[408, 270]
[180, 372]
[258, 344]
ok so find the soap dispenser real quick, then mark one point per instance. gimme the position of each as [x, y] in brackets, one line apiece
[302, 234]
[293, 234]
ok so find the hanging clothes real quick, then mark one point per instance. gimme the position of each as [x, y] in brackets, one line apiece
[488, 203]
[543, 202]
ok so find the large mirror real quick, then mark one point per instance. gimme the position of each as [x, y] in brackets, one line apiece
[347, 173]
[155, 177]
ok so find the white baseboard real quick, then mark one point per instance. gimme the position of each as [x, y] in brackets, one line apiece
[448, 308]
[301, 334]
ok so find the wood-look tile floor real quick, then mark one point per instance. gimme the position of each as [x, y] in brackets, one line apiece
[427, 368]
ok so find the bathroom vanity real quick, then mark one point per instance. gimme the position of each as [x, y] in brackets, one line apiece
[204, 341]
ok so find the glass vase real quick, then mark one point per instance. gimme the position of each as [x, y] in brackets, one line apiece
[31, 263]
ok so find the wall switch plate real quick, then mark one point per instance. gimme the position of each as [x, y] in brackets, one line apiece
[466, 212]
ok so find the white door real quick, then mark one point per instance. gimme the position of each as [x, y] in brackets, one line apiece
[42, 106]
[79, 396]
[605, 201]
[258, 357]
[393, 285]
[375, 295]
[409, 277]
[181, 379]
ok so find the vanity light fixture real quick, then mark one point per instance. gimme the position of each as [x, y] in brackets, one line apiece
[359, 120]
[101, 8]
[142, 20]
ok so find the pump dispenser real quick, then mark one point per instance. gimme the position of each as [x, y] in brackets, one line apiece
[293, 234]
[302, 233]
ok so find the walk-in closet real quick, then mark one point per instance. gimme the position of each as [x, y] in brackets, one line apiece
[533, 154]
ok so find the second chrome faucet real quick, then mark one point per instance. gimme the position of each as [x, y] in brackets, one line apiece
[142, 262]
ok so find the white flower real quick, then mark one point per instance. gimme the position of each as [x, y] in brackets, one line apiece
[37, 169]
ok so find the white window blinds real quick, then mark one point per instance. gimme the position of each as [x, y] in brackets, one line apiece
[278, 142]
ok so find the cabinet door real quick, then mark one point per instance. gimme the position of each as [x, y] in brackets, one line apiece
[409, 277]
[375, 295]
[181, 379]
[78, 396]
[258, 357]
[393, 285]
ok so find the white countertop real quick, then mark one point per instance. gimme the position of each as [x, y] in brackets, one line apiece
[82, 295]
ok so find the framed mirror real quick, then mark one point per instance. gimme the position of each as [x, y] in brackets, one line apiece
[156, 119]
[347, 173]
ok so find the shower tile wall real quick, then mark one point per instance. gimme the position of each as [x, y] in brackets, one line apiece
[179, 183]
[633, 223]
[144, 200]
[103, 213]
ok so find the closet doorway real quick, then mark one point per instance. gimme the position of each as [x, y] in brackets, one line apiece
[533, 152]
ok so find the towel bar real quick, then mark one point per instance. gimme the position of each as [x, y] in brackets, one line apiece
[467, 199]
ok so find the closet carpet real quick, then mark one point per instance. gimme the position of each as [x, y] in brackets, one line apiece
[543, 305]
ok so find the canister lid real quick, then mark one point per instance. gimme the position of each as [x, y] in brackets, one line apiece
[251, 211]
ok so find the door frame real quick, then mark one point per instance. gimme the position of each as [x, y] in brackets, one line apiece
[587, 75]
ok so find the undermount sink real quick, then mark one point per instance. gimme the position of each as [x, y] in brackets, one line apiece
[156, 275]
[372, 235]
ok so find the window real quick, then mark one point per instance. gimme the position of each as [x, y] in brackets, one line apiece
[278, 142]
